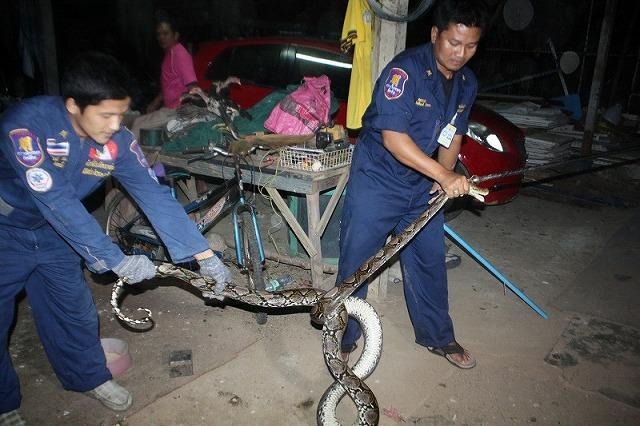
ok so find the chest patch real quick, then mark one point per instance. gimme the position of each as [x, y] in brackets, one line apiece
[394, 84]
[58, 151]
[108, 152]
[101, 159]
[27, 147]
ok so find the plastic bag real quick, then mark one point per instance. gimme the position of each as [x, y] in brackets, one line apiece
[304, 110]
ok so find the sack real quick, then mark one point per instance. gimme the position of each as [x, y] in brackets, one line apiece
[304, 110]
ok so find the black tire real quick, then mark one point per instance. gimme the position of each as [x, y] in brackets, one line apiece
[252, 259]
[120, 211]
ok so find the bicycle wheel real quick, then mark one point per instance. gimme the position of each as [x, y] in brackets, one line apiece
[252, 259]
[129, 228]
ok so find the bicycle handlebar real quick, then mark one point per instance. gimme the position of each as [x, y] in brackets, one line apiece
[211, 151]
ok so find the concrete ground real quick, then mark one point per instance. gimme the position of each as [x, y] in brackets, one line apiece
[579, 367]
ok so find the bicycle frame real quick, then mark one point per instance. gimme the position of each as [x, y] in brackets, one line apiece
[240, 206]
[228, 196]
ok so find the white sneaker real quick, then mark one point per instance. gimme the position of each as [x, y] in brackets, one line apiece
[12, 418]
[112, 395]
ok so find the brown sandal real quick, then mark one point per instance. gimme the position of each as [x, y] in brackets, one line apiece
[454, 348]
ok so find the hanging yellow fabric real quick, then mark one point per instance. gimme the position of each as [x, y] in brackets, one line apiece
[357, 33]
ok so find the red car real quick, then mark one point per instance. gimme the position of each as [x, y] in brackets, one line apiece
[492, 145]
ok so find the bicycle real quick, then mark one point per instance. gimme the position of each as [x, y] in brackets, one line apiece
[131, 230]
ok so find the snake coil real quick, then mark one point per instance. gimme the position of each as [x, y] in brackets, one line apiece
[331, 309]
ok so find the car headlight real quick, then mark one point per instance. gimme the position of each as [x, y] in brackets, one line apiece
[484, 136]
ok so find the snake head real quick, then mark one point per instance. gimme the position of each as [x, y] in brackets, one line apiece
[475, 191]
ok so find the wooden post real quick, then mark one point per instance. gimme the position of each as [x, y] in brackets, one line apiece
[598, 74]
[390, 37]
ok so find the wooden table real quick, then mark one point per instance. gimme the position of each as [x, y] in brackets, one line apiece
[275, 179]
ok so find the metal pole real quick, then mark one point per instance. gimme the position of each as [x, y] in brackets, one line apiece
[585, 47]
[598, 74]
[484, 262]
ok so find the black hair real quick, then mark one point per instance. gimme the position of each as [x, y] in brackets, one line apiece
[163, 17]
[470, 13]
[93, 77]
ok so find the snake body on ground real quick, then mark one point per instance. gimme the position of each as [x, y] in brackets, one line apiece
[329, 308]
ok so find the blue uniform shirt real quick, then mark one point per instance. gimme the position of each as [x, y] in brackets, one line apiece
[46, 170]
[409, 98]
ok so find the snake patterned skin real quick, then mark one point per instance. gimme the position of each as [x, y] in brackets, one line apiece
[331, 309]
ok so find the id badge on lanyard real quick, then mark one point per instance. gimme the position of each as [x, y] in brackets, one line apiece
[447, 134]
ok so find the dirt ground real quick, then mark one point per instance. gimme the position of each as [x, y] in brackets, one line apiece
[581, 366]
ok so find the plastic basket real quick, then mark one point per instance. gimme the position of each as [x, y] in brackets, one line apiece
[315, 160]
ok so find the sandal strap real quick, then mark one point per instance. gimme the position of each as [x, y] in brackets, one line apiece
[452, 348]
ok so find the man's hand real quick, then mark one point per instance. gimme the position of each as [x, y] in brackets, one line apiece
[212, 267]
[453, 184]
[135, 268]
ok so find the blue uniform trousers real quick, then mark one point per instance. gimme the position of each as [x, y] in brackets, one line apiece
[371, 212]
[44, 265]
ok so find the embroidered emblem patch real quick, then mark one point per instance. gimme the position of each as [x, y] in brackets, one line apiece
[39, 179]
[135, 148]
[27, 147]
[108, 152]
[394, 84]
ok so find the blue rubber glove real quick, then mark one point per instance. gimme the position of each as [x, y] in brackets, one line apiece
[135, 268]
[212, 267]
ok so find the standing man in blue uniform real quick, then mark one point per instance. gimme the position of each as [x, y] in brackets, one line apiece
[420, 107]
[54, 151]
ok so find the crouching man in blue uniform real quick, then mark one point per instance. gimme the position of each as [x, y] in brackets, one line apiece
[54, 151]
[420, 105]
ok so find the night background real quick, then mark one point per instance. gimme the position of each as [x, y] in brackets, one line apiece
[125, 28]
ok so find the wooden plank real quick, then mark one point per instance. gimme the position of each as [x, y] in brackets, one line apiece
[188, 188]
[292, 221]
[331, 206]
[300, 182]
[313, 220]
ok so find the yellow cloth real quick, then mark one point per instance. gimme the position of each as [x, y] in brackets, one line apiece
[357, 32]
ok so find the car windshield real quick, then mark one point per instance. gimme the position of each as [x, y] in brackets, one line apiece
[259, 64]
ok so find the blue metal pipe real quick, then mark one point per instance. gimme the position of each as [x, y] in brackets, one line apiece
[484, 262]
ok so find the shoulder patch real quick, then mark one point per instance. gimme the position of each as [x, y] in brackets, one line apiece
[135, 148]
[27, 147]
[39, 179]
[394, 84]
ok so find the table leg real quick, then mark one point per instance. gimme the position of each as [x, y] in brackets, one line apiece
[314, 233]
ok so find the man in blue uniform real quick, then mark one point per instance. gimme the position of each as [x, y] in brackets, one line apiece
[54, 151]
[420, 106]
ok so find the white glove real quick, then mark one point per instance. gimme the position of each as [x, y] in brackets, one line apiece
[135, 268]
[212, 267]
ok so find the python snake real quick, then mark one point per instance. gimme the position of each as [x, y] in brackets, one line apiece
[331, 309]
